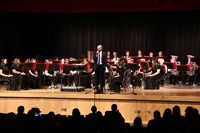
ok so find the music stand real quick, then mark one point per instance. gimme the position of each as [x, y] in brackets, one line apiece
[54, 67]
[26, 67]
[41, 67]
[182, 68]
[132, 66]
[136, 59]
[79, 69]
[20, 67]
[56, 61]
[144, 65]
[67, 68]
[169, 65]
[148, 58]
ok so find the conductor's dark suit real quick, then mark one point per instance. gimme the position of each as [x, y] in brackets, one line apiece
[100, 62]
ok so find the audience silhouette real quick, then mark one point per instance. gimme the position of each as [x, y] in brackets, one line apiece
[112, 122]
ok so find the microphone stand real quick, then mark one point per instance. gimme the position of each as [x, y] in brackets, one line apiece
[134, 91]
[143, 80]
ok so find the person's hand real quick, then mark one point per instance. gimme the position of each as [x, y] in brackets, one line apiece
[22, 73]
[10, 75]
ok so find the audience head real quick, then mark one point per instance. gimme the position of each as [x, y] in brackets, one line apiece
[76, 112]
[137, 121]
[20, 109]
[93, 109]
[99, 114]
[167, 113]
[189, 111]
[114, 107]
[176, 110]
[156, 114]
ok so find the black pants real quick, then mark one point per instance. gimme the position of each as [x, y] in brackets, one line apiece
[152, 82]
[99, 78]
[35, 82]
[16, 82]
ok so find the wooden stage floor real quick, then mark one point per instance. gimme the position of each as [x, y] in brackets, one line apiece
[146, 101]
[184, 93]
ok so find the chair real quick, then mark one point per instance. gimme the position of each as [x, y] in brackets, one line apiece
[5, 81]
[114, 80]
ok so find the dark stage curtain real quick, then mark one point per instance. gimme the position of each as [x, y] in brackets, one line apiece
[26, 35]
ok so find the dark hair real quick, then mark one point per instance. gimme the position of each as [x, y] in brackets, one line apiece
[2, 61]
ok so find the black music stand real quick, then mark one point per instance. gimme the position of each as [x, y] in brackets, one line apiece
[54, 67]
[169, 65]
[26, 67]
[20, 68]
[67, 68]
[79, 69]
[182, 68]
[148, 58]
[136, 59]
[132, 66]
[41, 67]
[144, 65]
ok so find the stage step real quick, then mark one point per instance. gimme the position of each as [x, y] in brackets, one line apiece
[72, 88]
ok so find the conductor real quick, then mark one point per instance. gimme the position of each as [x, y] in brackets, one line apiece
[100, 63]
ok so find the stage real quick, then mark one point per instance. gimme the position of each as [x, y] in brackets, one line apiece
[143, 104]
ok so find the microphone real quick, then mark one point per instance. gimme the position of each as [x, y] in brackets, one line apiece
[97, 52]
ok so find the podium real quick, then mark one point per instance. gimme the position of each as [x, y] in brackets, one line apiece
[79, 69]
